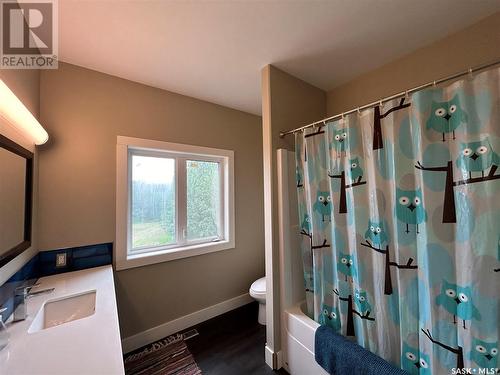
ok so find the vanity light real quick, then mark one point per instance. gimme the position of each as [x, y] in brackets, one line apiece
[16, 113]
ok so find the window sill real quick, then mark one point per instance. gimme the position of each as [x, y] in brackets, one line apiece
[144, 259]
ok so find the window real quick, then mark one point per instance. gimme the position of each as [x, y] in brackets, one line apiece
[173, 201]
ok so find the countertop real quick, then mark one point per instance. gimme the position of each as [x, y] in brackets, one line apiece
[89, 345]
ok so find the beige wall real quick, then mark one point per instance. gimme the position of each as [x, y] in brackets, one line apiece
[287, 102]
[26, 86]
[83, 112]
[475, 45]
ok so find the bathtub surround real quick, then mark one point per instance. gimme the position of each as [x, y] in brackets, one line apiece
[84, 111]
[44, 264]
[399, 224]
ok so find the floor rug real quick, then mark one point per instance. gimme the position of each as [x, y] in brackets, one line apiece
[168, 356]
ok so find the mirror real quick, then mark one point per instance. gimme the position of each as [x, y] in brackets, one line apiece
[16, 179]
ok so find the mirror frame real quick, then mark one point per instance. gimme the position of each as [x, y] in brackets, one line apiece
[13, 147]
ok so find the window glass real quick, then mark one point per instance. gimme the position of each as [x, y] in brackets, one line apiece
[152, 202]
[203, 199]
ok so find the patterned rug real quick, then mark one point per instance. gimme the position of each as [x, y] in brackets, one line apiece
[165, 357]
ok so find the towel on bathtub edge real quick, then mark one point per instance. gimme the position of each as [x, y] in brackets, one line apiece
[339, 356]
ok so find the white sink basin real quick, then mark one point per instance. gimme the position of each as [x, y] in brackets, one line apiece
[64, 310]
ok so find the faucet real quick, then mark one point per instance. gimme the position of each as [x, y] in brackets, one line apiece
[21, 294]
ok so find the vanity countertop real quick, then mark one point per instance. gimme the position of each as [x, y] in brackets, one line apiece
[89, 345]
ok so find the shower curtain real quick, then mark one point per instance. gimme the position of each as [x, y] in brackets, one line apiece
[400, 222]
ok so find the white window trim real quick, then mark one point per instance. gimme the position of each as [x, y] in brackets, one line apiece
[123, 259]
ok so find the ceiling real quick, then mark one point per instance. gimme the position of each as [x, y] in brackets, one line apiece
[214, 50]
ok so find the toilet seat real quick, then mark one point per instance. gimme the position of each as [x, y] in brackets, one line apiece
[258, 288]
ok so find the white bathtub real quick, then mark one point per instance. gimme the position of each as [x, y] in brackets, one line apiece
[299, 342]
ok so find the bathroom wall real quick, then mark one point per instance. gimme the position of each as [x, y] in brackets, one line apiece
[25, 84]
[84, 111]
[287, 102]
[475, 45]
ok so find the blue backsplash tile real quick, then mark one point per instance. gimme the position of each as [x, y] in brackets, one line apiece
[27, 275]
[44, 264]
[77, 258]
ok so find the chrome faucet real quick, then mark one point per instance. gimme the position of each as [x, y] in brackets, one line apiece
[21, 294]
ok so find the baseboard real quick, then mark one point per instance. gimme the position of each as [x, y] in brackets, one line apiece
[273, 360]
[156, 333]
[279, 360]
[269, 357]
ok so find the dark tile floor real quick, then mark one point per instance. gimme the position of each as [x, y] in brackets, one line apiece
[232, 343]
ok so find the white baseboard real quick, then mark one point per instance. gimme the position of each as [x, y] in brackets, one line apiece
[279, 360]
[156, 333]
[273, 360]
[269, 356]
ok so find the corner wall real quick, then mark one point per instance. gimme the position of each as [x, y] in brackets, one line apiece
[287, 103]
[475, 45]
[84, 111]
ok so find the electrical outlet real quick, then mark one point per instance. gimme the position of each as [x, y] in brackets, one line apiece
[61, 260]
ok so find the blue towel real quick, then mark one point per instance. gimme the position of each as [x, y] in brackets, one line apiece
[339, 356]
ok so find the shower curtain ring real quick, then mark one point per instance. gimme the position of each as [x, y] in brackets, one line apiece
[407, 96]
[434, 83]
[470, 72]
[359, 111]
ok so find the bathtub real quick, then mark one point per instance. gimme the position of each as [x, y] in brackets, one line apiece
[299, 342]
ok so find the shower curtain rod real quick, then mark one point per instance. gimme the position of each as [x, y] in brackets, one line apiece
[395, 96]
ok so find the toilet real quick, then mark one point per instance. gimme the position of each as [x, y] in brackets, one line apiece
[258, 292]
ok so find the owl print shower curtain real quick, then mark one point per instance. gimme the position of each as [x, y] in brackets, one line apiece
[400, 223]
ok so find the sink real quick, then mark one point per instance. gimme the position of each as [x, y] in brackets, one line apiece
[64, 310]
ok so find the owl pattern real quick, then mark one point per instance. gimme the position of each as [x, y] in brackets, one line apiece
[306, 224]
[409, 208]
[477, 157]
[484, 354]
[330, 316]
[361, 302]
[446, 117]
[376, 234]
[457, 300]
[355, 171]
[346, 266]
[323, 205]
[414, 361]
[474, 158]
[340, 142]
